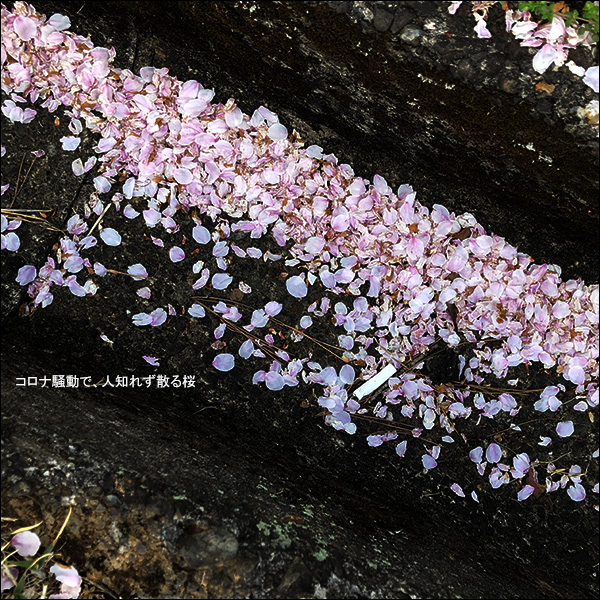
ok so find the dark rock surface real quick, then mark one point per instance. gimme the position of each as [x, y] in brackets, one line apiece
[226, 490]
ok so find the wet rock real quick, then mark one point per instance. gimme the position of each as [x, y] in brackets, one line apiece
[411, 35]
[210, 547]
[297, 580]
[402, 17]
[382, 19]
[464, 68]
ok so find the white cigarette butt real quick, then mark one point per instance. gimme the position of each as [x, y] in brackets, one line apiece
[377, 380]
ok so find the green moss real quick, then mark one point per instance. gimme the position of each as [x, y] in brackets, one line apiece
[320, 554]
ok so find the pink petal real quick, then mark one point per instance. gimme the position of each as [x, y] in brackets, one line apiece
[401, 449]
[561, 309]
[277, 132]
[234, 118]
[457, 490]
[576, 492]
[273, 308]
[575, 374]
[66, 575]
[158, 317]
[246, 349]
[481, 29]
[493, 453]
[138, 271]
[151, 216]
[128, 188]
[224, 362]
[340, 222]
[26, 274]
[274, 381]
[70, 142]
[102, 184]
[25, 28]
[428, 461]
[591, 78]
[110, 237]
[192, 108]
[176, 254]
[525, 493]
[314, 245]
[347, 374]
[201, 234]
[565, 428]
[544, 58]
[296, 286]
[183, 176]
[221, 280]
[26, 543]
[77, 167]
[59, 22]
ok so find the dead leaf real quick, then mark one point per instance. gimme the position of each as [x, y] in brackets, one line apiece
[546, 87]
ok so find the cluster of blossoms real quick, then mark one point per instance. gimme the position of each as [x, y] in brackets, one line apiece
[27, 545]
[554, 40]
[404, 276]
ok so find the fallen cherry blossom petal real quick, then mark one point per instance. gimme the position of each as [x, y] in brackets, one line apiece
[10, 576]
[525, 493]
[476, 455]
[493, 453]
[428, 461]
[197, 310]
[201, 234]
[221, 280]
[26, 274]
[70, 143]
[176, 254]
[25, 28]
[401, 449]
[10, 241]
[565, 428]
[26, 543]
[305, 322]
[544, 58]
[66, 575]
[296, 286]
[77, 167]
[158, 317]
[277, 131]
[141, 319]
[274, 381]
[576, 492]
[144, 293]
[457, 490]
[110, 237]
[130, 212]
[273, 308]
[183, 176]
[102, 184]
[138, 271]
[347, 374]
[591, 78]
[224, 362]
[246, 349]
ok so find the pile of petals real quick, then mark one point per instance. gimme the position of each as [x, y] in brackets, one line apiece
[395, 276]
